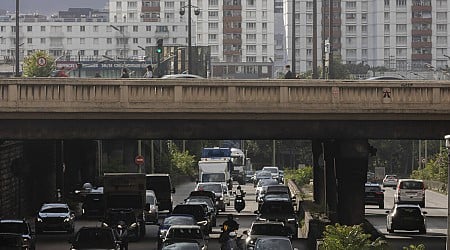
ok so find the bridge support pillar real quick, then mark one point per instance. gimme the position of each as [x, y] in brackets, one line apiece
[318, 172]
[330, 176]
[351, 172]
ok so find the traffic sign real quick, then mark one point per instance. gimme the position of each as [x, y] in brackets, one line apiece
[139, 160]
[42, 61]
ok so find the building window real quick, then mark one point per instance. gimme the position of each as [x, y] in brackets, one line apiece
[135, 28]
[401, 40]
[82, 40]
[95, 52]
[441, 27]
[29, 28]
[82, 52]
[95, 28]
[212, 37]
[161, 29]
[132, 5]
[42, 40]
[264, 26]
[213, 14]
[251, 14]
[69, 28]
[148, 28]
[213, 2]
[251, 26]
[401, 3]
[251, 3]
[108, 40]
[148, 40]
[213, 26]
[401, 28]
[69, 41]
[387, 28]
[29, 40]
[350, 4]
[351, 29]
[96, 41]
[350, 16]
[386, 16]
[82, 28]
[251, 58]
[42, 28]
[174, 40]
[251, 37]
[441, 16]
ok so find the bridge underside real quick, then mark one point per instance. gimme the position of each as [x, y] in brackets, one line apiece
[19, 129]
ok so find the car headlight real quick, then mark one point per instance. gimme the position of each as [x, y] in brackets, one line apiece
[25, 240]
[221, 198]
[67, 219]
[39, 219]
[291, 220]
[133, 225]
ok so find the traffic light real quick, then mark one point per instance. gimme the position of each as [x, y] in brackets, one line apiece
[159, 43]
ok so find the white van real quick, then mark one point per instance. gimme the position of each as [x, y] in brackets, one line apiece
[410, 191]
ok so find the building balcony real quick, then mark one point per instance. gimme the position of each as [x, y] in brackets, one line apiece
[232, 30]
[232, 18]
[151, 9]
[422, 32]
[231, 52]
[421, 44]
[421, 8]
[232, 7]
[421, 20]
[422, 57]
[231, 41]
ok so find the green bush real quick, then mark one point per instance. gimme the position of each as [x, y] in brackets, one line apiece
[341, 237]
[300, 176]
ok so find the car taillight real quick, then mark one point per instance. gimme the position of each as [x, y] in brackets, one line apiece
[379, 192]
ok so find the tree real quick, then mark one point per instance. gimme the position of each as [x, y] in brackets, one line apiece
[342, 237]
[183, 162]
[31, 67]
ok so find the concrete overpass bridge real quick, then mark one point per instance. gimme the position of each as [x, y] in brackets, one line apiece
[338, 116]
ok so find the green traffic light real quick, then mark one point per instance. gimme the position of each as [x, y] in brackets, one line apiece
[159, 50]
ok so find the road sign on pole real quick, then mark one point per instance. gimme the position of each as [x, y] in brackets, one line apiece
[139, 160]
[42, 61]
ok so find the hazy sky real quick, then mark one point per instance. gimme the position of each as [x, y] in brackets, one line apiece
[50, 6]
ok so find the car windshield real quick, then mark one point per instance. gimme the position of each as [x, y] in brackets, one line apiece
[55, 210]
[268, 229]
[10, 240]
[271, 170]
[211, 187]
[195, 210]
[278, 208]
[178, 220]
[264, 174]
[277, 196]
[185, 233]
[93, 238]
[13, 227]
[215, 177]
[273, 244]
[373, 189]
[267, 182]
[408, 211]
[411, 185]
[206, 201]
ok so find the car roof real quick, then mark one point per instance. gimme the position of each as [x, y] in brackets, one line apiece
[12, 221]
[385, 78]
[400, 180]
[184, 226]
[407, 205]
[268, 223]
[47, 205]
[371, 184]
[149, 192]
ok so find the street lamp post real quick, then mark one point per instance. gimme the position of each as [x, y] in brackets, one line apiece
[196, 12]
[17, 40]
[447, 145]
[123, 39]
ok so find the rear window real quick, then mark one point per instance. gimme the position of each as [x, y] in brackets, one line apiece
[411, 185]
[408, 211]
[373, 189]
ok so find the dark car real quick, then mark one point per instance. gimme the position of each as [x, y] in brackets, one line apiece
[185, 233]
[95, 238]
[374, 195]
[199, 213]
[114, 216]
[11, 242]
[216, 188]
[281, 211]
[208, 199]
[273, 242]
[55, 217]
[406, 217]
[249, 176]
[260, 228]
[19, 227]
[175, 219]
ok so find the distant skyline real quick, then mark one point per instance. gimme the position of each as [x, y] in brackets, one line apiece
[50, 6]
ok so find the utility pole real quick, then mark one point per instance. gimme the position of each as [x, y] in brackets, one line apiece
[17, 40]
[330, 38]
[315, 75]
[293, 38]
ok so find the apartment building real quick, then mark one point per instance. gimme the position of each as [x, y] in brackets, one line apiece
[240, 34]
[402, 35]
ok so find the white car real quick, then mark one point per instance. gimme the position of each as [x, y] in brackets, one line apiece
[390, 180]
[410, 191]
